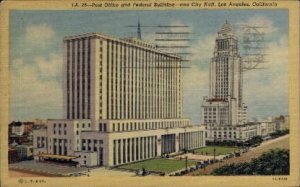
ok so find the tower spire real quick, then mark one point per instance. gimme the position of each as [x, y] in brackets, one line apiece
[139, 34]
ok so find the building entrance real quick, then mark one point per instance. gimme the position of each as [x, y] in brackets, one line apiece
[168, 143]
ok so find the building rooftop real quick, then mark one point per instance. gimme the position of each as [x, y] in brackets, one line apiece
[226, 30]
[216, 100]
[132, 41]
[248, 124]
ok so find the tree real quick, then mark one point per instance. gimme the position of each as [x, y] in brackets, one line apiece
[273, 162]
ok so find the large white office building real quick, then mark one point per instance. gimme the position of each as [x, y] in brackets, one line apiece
[122, 103]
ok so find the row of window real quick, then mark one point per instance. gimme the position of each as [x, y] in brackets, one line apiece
[59, 125]
[59, 132]
[92, 145]
[132, 126]
[112, 83]
[225, 136]
[41, 142]
[222, 44]
[100, 77]
[83, 125]
[74, 59]
[210, 109]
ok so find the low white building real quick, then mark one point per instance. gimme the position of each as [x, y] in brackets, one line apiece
[242, 132]
[234, 133]
[265, 128]
[24, 151]
[116, 142]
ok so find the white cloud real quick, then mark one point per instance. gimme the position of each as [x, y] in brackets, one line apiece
[32, 95]
[39, 34]
[268, 88]
[203, 48]
[49, 67]
[195, 78]
[260, 21]
[195, 86]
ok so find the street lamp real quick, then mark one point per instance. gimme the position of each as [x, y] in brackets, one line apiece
[186, 163]
[214, 149]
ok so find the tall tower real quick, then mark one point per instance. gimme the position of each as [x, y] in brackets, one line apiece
[139, 33]
[225, 67]
[225, 106]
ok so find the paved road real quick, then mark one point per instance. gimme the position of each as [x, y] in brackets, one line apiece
[39, 169]
[281, 142]
[44, 168]
[15, 173]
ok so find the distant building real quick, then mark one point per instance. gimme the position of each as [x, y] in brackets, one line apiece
[122, 104]
[12, 155]
[20, 132]
[265, 128]
[282, 122]
[223, 112]
[233, 133]
[39, 121]
[225, 106]
[20, 128]
[24, 151]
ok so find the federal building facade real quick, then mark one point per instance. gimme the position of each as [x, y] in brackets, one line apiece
[122, 102]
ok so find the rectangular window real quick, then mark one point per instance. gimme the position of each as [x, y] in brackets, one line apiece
[104, 127]
[100, 127]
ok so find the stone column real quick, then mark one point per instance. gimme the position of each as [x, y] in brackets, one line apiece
[129, 148]
[158, 148]
[142, 148]
[122, 151]
[146, 147]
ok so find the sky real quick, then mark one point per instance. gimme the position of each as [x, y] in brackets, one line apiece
[36, 55]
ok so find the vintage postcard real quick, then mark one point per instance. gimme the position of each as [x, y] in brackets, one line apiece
[149, 93]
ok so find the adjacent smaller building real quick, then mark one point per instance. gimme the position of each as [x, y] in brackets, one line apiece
[235, 133]
[246, 131]
[12, 155]
[20, 132]
[25, 151]
[282, 122]
[20, 128]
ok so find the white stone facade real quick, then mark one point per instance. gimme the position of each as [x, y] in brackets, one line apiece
[234, 133]
[127, 80]
[138, 139]
[122, 103]
[224, 105]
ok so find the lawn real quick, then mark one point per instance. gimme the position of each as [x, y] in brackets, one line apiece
[220, 150]
[159, 164]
